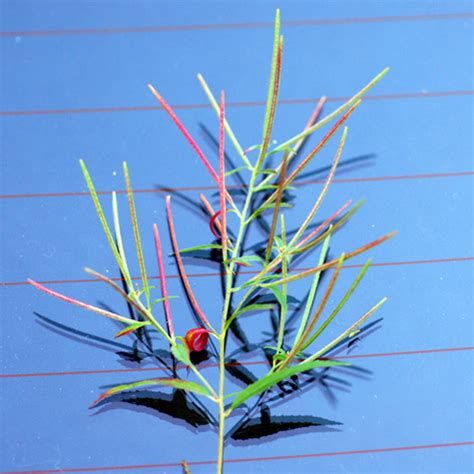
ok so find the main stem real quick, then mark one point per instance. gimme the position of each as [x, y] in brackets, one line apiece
[229, 286]
[220, 440]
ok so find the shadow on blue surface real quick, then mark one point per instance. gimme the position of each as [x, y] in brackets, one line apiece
[184, 409]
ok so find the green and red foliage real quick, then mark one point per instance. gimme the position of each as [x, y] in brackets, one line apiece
[262, 288]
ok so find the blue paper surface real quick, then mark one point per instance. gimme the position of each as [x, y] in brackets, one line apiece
[73, 86]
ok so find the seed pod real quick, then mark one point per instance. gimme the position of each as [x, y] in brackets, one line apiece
[196, 339]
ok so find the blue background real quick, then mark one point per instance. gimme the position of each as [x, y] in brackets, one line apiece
[69, 92]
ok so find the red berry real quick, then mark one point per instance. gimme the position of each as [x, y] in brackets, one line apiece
[196, 339]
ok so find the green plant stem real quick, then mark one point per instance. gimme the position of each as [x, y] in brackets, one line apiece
[229, 268]
[284, 271]
[220, 437]
[203, 380]
[346, 333]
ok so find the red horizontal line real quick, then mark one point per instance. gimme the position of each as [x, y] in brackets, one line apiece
[257, 103]
[362, 179]
[404, 353]
[237, 26]
[212, 274]
[286, 457]
[205, 366]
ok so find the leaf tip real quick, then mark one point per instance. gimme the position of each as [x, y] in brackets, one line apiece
[391, 234]
[98, 400]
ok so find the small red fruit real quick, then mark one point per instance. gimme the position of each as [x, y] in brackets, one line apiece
[196, 339]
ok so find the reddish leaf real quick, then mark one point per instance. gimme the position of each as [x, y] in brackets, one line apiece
[186, 134]
[129, 329]
[323, 225]
[314, 151]
[213, 223]
[179, 262]
[222, 190]
[67, 299]
[164, 290]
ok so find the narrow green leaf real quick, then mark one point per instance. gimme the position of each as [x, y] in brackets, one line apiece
[332, 115]
[353, 333]
[264, 208]
[270, 187]
[290, 153]
[275, 377]
[131, 328]
[118, 238]
[160, 300]
[273, 72]
[254, 307]
[348, 332]
[138, 292]
[338, 308]
[103, 220]
[269, 171]
[312, 292]
[227, 127]
[278, 242]
[181, 353]
[267, 187]
[276, 209]
[323, 192]
[175, 383]
[136, 234]
[247, 260]
[330, 231]
[252, 282]
[307, 160]
[246, 309]
[273, 90]
[314, 319]
[280, 296]
[201, 247]
[237, 170]
[332, 263]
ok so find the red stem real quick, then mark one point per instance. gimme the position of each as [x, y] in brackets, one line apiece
[67, 299]
[316, 113]
[181, 269]
[323, 225]
[222, 190]
[186, 134]
[164, 289]
[189, 138]
[213, 223]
